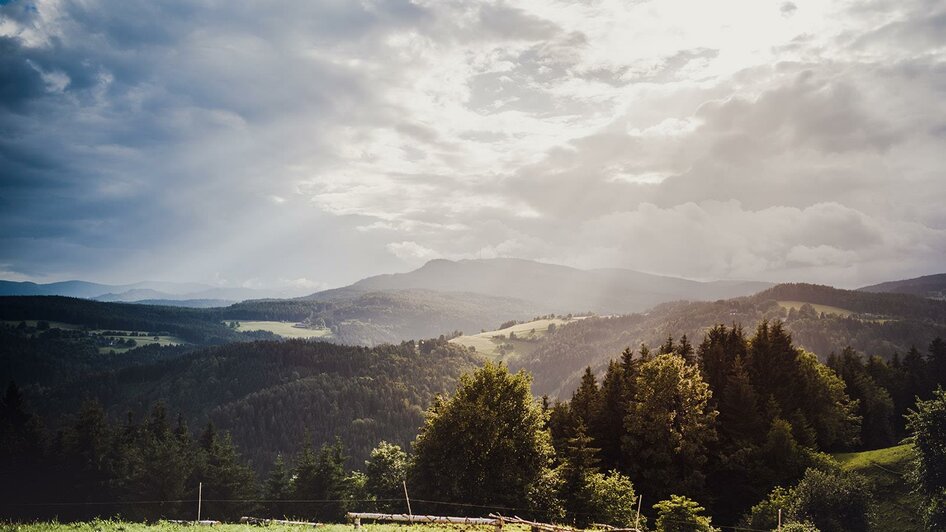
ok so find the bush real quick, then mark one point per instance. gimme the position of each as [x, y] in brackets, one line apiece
[681, 514]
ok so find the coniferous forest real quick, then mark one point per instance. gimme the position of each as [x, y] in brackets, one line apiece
[312, 430]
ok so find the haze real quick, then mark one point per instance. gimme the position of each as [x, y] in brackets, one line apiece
[309, 144]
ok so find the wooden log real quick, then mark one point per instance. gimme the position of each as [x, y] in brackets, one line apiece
[267, 522]
[438, 519]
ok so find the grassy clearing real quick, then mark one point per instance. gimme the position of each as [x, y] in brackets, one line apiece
[283, 328]
[140, 340]
[897, 508]
[499, 345]
[797, 305]
[163, 526]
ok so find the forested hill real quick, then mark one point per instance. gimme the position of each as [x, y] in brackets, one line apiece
[359, 317]
[556, 288]
[197, 326]
[931, 286]
[820, 318]
[355, 317]
[269, 394]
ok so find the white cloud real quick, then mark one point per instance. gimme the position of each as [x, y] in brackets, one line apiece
[333, 140]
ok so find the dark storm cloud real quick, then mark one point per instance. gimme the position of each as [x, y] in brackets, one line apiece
[264, 141]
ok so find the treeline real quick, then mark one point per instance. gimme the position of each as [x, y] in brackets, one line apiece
[878, 304]
[889, 324]
[138, 469]
[196, 326]
[267, 394]
[738, 423]
[56, 357]
[746, 413]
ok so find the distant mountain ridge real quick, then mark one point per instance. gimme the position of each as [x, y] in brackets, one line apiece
[182, 294]
[556, 288]
[929, 286]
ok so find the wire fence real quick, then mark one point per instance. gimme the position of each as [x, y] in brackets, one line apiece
[497, 508]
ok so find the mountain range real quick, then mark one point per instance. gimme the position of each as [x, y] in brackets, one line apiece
[147, 292]
[555, 288]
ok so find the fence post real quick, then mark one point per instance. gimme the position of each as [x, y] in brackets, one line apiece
[408, 499]
[637, 522]
[200, 497]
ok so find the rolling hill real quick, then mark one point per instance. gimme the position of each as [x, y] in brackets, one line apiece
[182, 294]
[931, 286]
[554, 288]
[269, 395]
[871, 323]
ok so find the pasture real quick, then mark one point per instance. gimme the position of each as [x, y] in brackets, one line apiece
[897, 508]
[797, 305]
[285, 329]
[510, 342]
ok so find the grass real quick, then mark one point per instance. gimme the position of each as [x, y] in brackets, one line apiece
[489, 343]
[897, 508]
[162, 340]
[283, 328]
[797, 305]
[164, 526]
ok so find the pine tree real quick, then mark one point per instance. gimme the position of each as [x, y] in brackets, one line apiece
[278, 488]
[685, 350]
[224, 476]
[740, 416]
[608, 426]
[585, 401]
[579, 464]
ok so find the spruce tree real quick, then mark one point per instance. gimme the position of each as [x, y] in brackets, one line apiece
[585, 401]
[278, 488]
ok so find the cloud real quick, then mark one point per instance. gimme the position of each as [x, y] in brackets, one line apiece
[330, 140]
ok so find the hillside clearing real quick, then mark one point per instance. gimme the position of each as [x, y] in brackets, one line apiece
[513, 341]
[285, 329]
[797, 305]
[897, 508]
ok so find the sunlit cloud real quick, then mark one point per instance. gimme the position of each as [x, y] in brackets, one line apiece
[326, 141]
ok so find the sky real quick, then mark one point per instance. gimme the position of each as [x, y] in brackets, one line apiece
[273, 144]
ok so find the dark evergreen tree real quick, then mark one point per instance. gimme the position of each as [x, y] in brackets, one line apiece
[277, 489]
[585, 401]
[225, 477]
[608, 425]
[685, 350]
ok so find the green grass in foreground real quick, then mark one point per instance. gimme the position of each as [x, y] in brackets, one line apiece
[162, 526]
[897, 508]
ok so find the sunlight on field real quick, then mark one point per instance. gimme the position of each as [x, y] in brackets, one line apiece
[285, 329]
[140, 340]
[818, 308]
[500, 345]
[897, 507]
